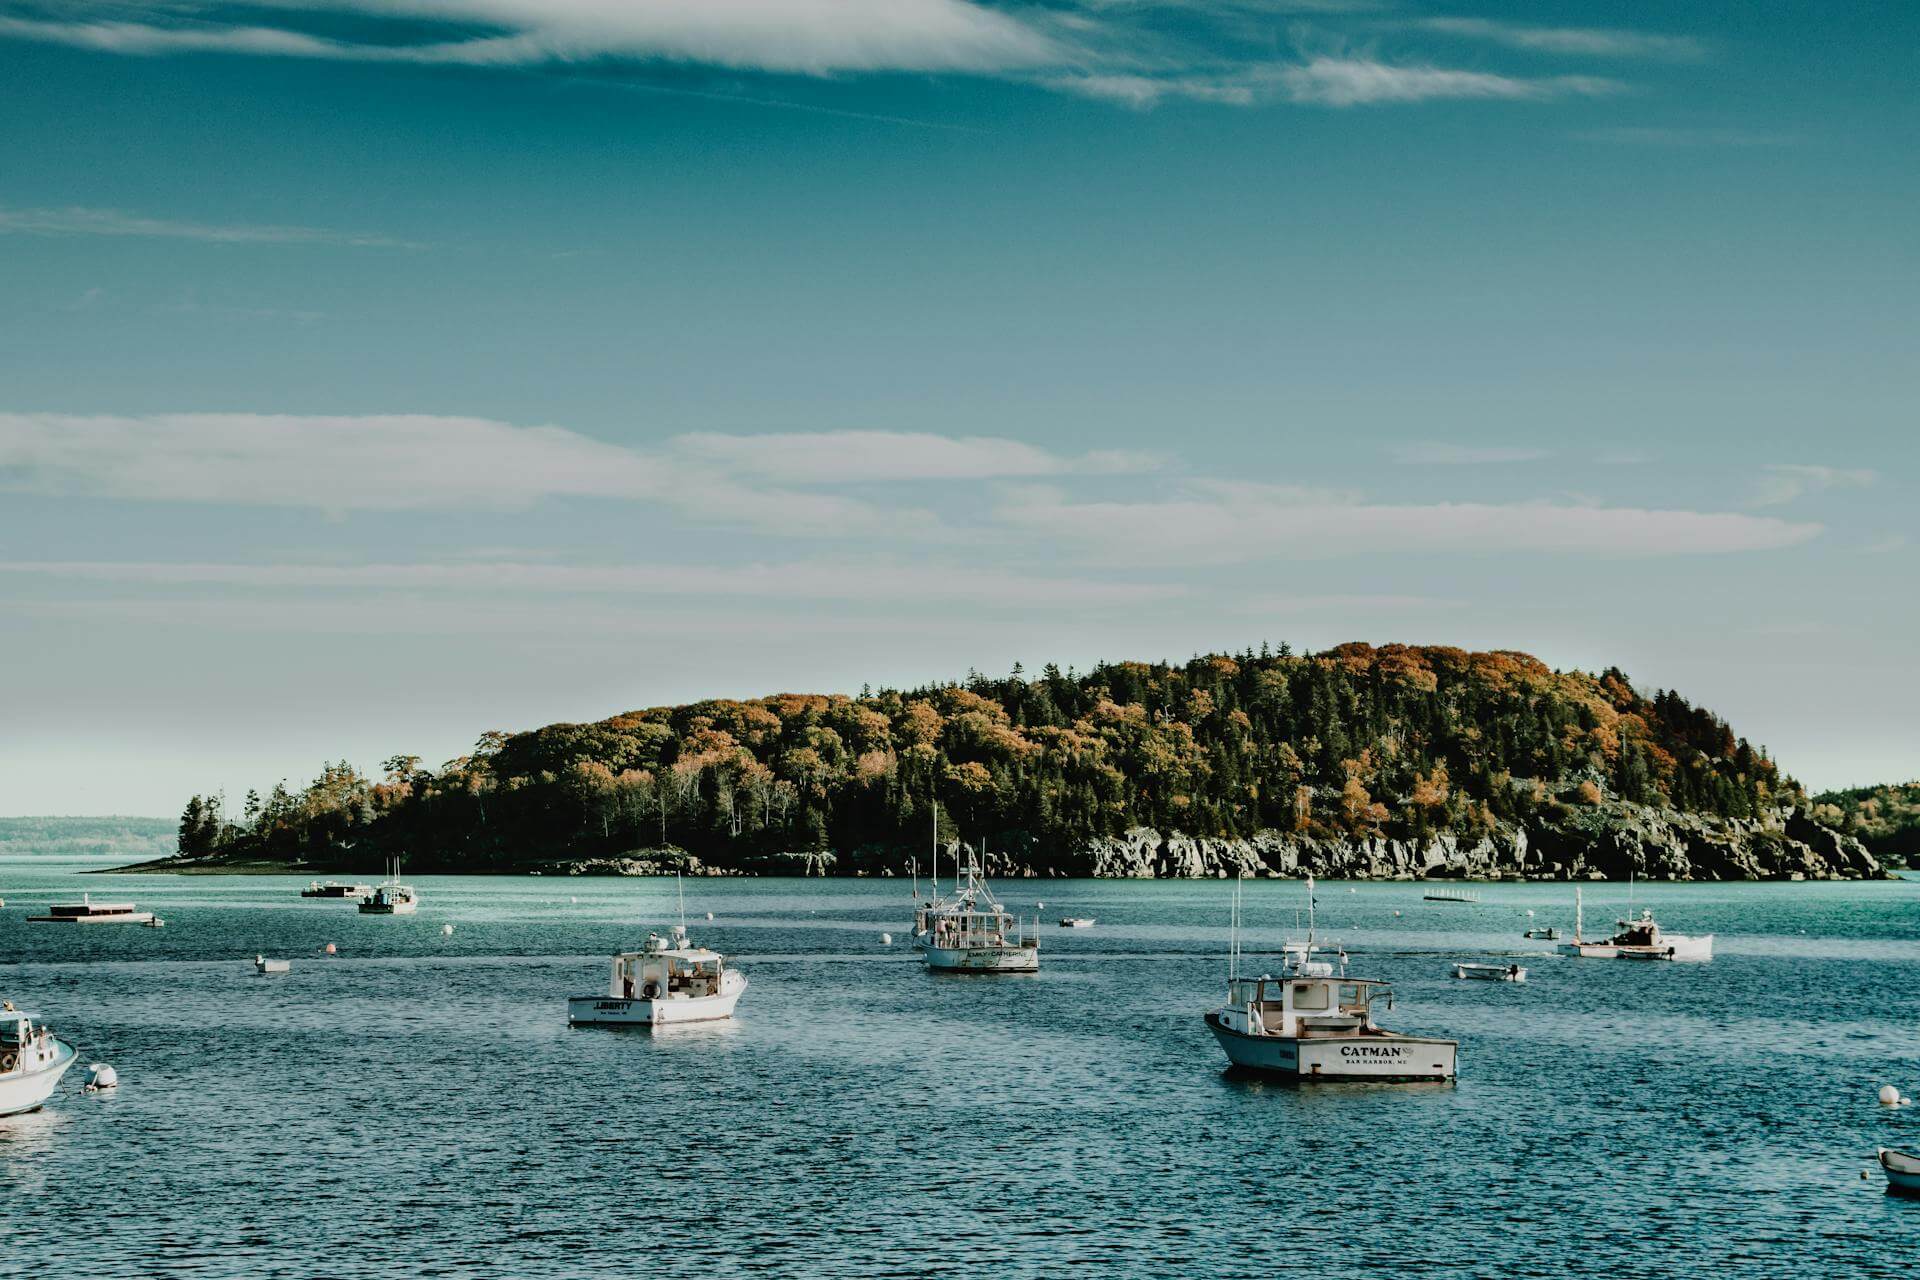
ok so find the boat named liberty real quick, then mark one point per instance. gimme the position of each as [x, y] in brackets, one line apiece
[670, 982]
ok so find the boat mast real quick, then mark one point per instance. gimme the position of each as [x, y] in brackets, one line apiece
[1576, 913]
[935, 891]
[680, 888]
[1309, 915]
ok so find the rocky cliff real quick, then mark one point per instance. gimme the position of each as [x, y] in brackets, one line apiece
[1606, 842]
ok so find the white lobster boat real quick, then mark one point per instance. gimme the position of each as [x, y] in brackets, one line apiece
[1317, 1023]
[1638, 939]
[971, 932]
[669, 983]
[390, 897]
[335, 889]
[31, 1062]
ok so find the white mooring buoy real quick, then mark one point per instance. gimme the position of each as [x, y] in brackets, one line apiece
[446, 931]
[886, 939]
[1529, 913]
[1889, 1096]
[709, 915]
[100, 1076]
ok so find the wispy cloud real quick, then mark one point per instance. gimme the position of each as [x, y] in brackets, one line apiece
[808, 37]
[390, 462]
[1352, 81]
[839, 457]
[398, 462]
[1119, 52]
[1577, 41]
[1886, 545]
[1439, 453]
[1217, 524]
[78, 221]
[1787, 482]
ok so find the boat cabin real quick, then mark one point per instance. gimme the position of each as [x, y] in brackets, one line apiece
[1304, 1006]
[663, 971]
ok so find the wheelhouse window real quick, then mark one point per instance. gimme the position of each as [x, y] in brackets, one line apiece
[1313, 996]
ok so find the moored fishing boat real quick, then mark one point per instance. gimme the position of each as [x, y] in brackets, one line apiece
[1076, 922]
[970, 932]
[1637, 939]
[1317, 1024]
[671, 981]
[87, 911]
[1902, 1170]
[390, 897]
[32, 1061]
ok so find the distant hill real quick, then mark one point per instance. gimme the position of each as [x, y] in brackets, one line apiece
[111, 837]
[1886, 819]
[1389, 761]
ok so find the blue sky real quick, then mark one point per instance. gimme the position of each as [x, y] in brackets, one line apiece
[374, 373]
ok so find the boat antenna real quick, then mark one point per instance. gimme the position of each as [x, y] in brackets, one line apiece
[679, 887]
[1309, 914]
[1576, 913]
[1233, 944]
[935, 891]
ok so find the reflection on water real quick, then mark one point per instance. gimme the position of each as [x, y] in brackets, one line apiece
[417, 1103]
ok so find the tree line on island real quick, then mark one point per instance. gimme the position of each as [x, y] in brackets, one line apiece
[1355, 742]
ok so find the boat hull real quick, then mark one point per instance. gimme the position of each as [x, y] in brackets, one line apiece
[983, 959]
[1902, 1170]
[123, 917]
[618, 1012]
[21, 1092]
[1381, 1059]
[389, 909]
[1672, 947]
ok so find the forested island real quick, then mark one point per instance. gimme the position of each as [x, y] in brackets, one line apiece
[1360, 761]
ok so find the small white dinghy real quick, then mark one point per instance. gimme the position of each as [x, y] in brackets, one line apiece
[263, 965]
[1076, 922]
[31, 1062]
[670, 982]
[1490, 972]
[1902, 1170]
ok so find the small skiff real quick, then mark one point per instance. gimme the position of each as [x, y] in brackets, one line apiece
[1902, 1170]
[1490, 972]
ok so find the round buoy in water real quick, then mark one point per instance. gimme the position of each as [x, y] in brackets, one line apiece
[573, 900]
[1889, 1096]
[1529, 913]
[101, 1076]
[886, 939]
[331, 949]
[446, 930]
[1039, 906]
[709, 915]
[1396, 915]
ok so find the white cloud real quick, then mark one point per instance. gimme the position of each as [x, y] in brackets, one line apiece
[1886, 546]
[387, 462]
[1223, 525]
[809, 37]
[1332, 81]
[1327, 80]
[1787, 482]
[869, 581]
[1439, 453]
[1579, 41]
[114, 222]
[841, 457]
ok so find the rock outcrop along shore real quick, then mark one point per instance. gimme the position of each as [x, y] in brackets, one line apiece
[1608, 843]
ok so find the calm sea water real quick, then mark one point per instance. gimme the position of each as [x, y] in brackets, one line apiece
[417, 1105]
